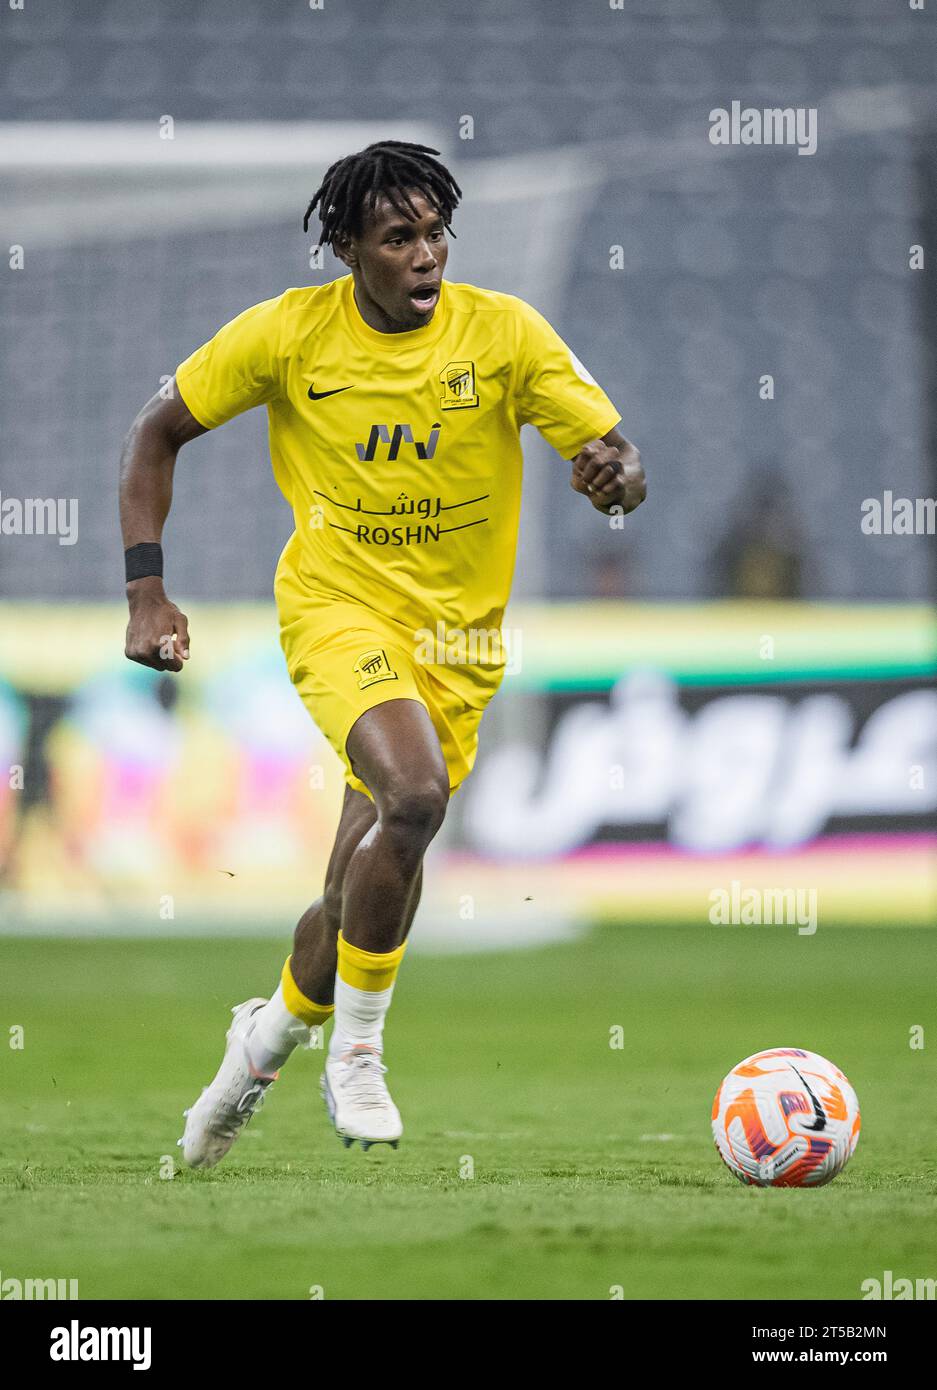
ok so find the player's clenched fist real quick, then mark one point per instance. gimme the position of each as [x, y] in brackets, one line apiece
[610, 475]
[157, 634]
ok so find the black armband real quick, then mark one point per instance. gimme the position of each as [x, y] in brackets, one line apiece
[143, 560]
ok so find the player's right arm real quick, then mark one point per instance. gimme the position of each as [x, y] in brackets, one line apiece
[157, 633]
[237, 369]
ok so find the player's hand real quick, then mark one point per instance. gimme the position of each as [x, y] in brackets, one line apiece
[157, 634]
[611, 477]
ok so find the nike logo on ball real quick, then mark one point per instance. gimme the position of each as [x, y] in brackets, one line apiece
[320, 395]
[820, 1120]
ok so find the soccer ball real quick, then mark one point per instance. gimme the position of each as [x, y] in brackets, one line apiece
[786, 1118]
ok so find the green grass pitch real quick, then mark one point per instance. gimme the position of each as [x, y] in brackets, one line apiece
[594, 1167]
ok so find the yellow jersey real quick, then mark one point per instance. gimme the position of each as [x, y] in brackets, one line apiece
[399, 453]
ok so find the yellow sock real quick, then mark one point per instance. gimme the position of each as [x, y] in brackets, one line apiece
[368, 970]
[312, 1014]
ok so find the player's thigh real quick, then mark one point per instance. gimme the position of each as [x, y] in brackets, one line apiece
[395, 750]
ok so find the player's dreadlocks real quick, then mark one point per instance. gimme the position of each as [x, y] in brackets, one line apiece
[389, 167]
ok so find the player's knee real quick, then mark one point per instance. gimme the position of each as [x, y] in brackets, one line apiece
[414, 812]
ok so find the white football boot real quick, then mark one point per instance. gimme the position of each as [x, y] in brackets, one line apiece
[357, 1098]
[224, 1108]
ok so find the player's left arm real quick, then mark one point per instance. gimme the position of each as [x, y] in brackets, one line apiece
[609, 472]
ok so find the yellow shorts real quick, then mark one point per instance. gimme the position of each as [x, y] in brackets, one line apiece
[345, 658]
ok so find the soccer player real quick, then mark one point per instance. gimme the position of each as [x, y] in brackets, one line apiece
[395, 400]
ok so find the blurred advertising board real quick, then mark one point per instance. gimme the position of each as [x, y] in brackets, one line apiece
[638, 759]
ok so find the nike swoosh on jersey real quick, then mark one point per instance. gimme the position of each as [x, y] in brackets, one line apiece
[320, 395]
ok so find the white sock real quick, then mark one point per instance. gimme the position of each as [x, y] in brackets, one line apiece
[359, 1017]
[274, 1035]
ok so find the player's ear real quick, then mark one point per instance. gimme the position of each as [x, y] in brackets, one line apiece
[345, 252]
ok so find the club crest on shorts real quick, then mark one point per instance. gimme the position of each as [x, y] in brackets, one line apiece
[372, 667]
[458, 381]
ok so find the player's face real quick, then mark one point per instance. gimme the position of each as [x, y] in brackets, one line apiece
[398, 264]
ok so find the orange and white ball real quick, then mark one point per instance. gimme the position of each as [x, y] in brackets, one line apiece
[786, 1118]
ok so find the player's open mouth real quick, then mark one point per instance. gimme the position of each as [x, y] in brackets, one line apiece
[424, 299]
